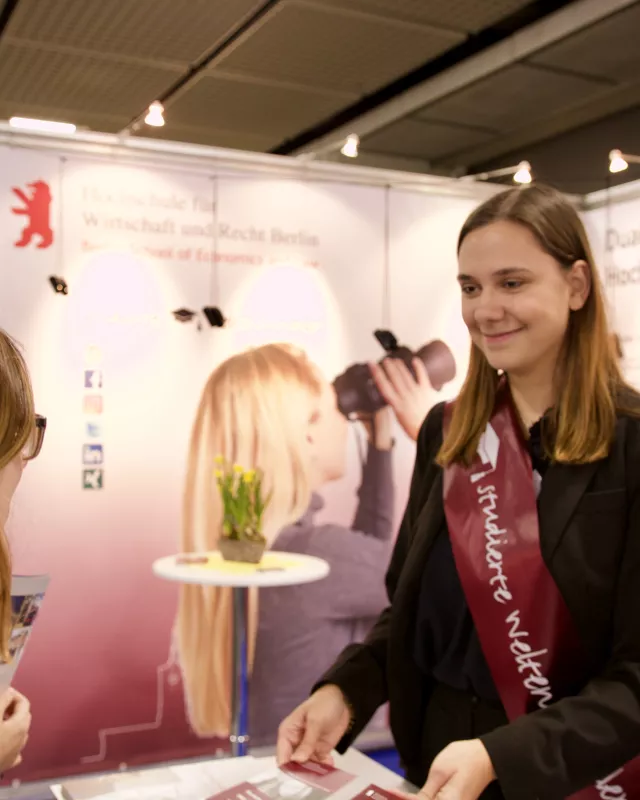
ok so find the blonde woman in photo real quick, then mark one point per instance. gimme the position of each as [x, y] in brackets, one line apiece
[271, 409]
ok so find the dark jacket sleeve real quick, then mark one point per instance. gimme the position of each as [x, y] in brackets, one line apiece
[579, 740]
[361, 670]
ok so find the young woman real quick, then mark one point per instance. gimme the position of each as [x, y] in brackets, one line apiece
[271, 408]
[21, 435]
[510, 650]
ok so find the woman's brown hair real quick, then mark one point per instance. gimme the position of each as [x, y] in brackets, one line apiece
[17, 421]
[591, 389]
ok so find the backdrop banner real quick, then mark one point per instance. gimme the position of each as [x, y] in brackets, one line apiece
[615, 233]
[119, 376]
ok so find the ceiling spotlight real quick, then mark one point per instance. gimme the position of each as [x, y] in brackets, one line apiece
[155, 115]
[59, 284]
[42, 125]
[618, 162]
[214, 316]
[523, 173]
[184, 314]
[350, 147]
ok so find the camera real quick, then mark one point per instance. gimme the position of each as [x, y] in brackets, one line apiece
[356, 390]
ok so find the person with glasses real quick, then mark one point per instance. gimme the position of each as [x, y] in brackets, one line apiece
[21, 436]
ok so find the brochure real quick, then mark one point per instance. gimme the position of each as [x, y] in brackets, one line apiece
[27, 594]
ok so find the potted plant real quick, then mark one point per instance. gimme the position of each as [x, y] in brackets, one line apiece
[243, 507]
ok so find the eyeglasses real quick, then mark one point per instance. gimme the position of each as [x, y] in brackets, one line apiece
[34, 443]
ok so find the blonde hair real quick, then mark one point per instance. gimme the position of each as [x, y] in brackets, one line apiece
[17, 422]
[254, 411]
[592, 389]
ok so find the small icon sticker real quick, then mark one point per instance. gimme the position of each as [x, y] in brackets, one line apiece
[92, 479]
[94, 430]
[93, 379]
[92, 454]
[93, 356]
[93, 404]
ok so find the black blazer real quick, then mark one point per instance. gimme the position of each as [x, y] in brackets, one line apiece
[590, 541]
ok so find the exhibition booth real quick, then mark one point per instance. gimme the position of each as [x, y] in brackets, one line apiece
[119, 260]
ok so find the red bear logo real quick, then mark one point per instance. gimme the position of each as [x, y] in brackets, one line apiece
[37, 207]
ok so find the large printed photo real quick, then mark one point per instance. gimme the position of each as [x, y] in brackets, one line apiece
[340, 330]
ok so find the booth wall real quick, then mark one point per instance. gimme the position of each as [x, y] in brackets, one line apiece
[318, 264]
[614, 229]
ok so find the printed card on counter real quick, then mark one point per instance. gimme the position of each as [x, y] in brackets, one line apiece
[373, 792]
[242, 791]
[320, 776]
[310, 781]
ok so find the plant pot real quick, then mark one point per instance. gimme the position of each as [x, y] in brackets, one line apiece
[242, 550]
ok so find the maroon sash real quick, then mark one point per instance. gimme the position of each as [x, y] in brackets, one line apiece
[527, 635]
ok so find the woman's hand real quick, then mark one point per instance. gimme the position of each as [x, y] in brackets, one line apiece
[313, 730]
[409, 397]
[15, 721]
[462, 771]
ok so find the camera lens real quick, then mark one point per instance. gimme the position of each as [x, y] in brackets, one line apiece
[357, 392]
[439, 363]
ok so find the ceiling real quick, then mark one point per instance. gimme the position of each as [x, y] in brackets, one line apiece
[444, 86]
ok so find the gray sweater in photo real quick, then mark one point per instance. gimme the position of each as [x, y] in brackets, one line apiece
[302, 629]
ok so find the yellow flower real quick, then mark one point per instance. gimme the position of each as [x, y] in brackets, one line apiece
[219, 459]
[238, 469]
[219, 473]
[249, 476]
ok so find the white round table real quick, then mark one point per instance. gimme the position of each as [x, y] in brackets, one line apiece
[210, 569]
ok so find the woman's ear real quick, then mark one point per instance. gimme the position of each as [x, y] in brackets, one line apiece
[579, 279]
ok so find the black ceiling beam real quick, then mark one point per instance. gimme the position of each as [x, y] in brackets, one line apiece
[474, 44]
[6, 10]
[209, 57]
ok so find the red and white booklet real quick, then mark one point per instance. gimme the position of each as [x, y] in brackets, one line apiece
[27, 594]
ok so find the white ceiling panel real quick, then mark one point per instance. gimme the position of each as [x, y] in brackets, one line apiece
[421, 139]
[314, 46]
[609, 49]
[178, 30]
[513, 97]
[81, 83]
[467, 16]
[238, 105]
